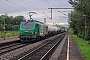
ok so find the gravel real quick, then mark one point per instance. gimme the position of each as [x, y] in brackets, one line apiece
[15, 53]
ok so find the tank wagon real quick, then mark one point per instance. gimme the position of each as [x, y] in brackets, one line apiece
[52, 30]
[34, 30]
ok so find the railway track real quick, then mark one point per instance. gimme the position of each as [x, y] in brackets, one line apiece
[8, 48]
[43, 51]
[9, 43]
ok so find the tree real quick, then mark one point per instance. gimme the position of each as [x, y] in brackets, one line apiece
[77, 18]
[11, 23]
[17, 20]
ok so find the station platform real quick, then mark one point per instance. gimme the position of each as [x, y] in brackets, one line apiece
[10, 39]
[67, 50]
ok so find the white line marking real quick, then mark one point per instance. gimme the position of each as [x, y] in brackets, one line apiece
[68, 49]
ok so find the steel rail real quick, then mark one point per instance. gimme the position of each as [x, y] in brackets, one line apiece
[10, 48]
[32, 52]
[51, 48]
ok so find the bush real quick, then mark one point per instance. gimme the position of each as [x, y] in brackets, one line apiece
[9, 34]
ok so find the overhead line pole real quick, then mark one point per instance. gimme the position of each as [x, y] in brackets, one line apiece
[51, 14]
[57, 8]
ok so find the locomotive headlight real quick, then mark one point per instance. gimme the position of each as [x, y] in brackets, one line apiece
[31, 31]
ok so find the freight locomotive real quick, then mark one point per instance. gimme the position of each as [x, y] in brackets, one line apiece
[35, 30]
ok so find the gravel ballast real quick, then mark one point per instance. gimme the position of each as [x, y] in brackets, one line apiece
[16, 53]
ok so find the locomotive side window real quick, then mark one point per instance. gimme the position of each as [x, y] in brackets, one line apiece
[36, 25]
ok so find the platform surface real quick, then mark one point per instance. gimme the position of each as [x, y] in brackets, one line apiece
[67, 50]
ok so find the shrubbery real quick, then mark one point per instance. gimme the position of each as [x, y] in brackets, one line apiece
[9, 34]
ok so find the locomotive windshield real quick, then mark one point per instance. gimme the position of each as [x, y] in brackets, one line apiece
[27, 24]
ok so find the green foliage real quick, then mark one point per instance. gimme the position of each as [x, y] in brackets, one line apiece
[1, 34]
[15, 28]
[11, 23]
[58, 26]
[71, 31]
[84, 47]
[9, 34]
[78, 17]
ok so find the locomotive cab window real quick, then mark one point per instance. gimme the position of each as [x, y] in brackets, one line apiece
[27, 25]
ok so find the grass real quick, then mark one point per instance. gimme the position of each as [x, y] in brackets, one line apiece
[9, 34]
[83, 45]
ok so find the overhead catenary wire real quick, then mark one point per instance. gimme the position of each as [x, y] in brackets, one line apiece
[30, 5]
[21, 6]
[50, 5]
[18, 5]
[24, 7]
[60, 11]
[47, 16]
[40, 11]
[63, 13]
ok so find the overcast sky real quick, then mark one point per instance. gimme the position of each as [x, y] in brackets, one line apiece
[22, 7]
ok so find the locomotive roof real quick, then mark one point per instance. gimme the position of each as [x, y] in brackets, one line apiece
[35, 21]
